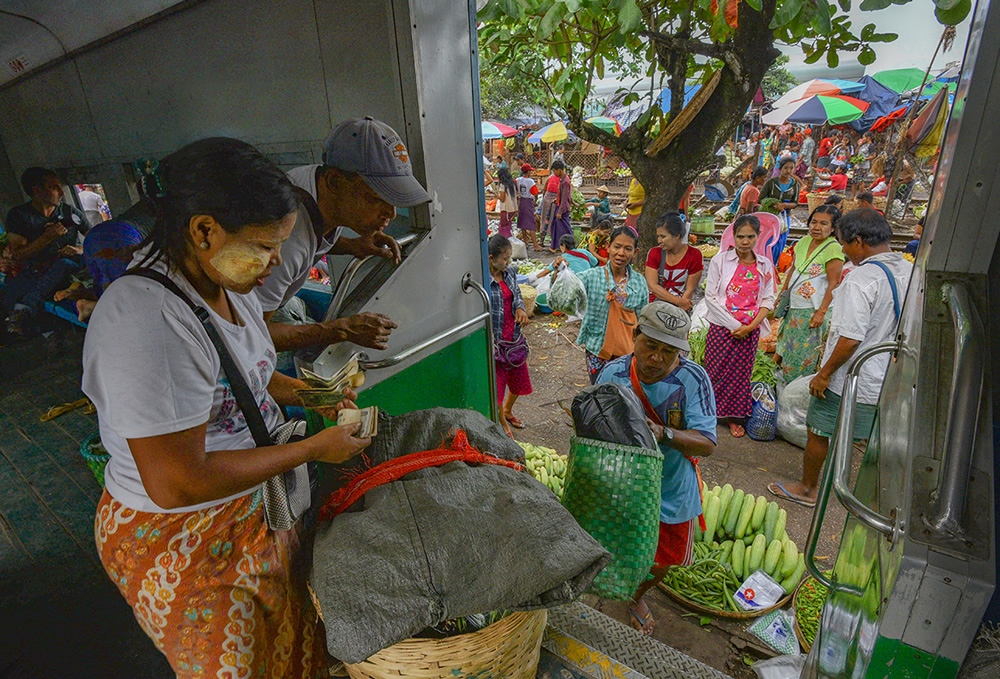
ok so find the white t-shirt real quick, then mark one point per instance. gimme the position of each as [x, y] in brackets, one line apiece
[150, 368]
[93, 206]
[525, 186]
[300, 252]
[863, 310]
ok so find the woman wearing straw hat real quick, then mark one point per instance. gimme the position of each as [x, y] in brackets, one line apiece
[602, 206]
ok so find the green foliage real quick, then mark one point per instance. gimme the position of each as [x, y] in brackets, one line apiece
[778, 79]
[502, 96]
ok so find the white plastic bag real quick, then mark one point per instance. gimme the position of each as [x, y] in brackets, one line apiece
[793, 406]
[518, 250]
[543, 285]
[781, 667]
[567, 294]
[699, 315]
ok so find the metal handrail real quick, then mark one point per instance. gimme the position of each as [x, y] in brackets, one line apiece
[346, 278]
[366, 364]
[838, 471]
[468, 285]
[963, 412]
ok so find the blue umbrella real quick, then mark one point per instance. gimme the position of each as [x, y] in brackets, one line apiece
[882, 101]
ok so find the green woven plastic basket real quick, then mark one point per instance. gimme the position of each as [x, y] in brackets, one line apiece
[613, 491]
[96, 457]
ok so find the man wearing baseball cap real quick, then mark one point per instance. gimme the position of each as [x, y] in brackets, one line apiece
[677, 396]
[365, 175]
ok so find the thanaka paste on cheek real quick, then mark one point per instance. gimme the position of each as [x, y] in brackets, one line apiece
[240, 263]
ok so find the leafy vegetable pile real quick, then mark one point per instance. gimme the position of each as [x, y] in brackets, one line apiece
[769, 205]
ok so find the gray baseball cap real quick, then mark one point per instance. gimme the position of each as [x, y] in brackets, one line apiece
[372, 149]
[667, 323]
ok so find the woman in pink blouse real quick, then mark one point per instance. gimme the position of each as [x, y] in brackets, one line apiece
[739, 292]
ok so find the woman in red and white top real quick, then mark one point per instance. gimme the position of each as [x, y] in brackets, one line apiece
[527, 193]
[673, 269]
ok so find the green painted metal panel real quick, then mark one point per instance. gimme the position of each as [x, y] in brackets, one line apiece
[455, 377]
[892, 658]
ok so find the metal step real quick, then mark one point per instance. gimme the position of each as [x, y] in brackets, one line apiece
[601, 646]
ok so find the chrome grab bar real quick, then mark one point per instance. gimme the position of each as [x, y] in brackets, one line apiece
[366, 364]
[837, 473]
[468, 285]
[963, 412]
[346, 278]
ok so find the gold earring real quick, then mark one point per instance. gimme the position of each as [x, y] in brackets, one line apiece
[204, 245]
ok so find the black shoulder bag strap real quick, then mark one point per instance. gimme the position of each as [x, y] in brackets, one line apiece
[244, 397]
[285, 496]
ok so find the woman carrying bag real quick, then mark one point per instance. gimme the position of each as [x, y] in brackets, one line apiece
[614, 293]
[172, 360]
[739, 292]
[806, 295]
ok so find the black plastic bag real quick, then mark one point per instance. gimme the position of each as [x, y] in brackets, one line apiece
[612, 413]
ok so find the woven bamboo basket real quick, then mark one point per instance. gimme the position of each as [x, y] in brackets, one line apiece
[508, 648]
[847, 205]
[814, 200]
[95, 456]
[705, 610]
[795, 607]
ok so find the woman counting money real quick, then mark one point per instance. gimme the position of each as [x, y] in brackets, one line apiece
[181, 526]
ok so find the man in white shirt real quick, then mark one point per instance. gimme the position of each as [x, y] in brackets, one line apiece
[93, 206]
[866, 309]
[366, 174]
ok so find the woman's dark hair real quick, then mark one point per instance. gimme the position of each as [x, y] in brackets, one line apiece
[834, 199]
[758, 173]
[558, 165]
[35, 177]
[624, 231]
[498, 245]
[672, 222]
[868, 224]
[743, 220]
[605, 224]
[867, 196]
[506, 180]
[224, 178]
[785, 161]
[568, 241]
[825, 209]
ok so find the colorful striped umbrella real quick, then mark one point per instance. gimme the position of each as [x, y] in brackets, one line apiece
[817, 86]
[496, 130]
[834, 109]
[609, 125]
[555, 132]
[900, 79]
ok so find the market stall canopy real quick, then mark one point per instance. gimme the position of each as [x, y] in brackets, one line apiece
[881, 100]
[817, 110]
[497, 130]
[900, 79]
[925, 132]
[609, 125]
[815, 87]
[557, 131]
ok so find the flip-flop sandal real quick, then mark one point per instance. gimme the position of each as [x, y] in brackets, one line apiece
[63, 408]
[643, 621]
[785, 495]
[514, 422]
[737, 431]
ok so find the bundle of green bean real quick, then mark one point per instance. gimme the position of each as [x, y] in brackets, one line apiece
[710, 580]
[808, 604]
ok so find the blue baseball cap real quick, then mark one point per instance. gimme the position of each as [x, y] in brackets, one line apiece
[372, 149]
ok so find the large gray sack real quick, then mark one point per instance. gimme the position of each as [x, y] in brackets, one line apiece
[445, 542]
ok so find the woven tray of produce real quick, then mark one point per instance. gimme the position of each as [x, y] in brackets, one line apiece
[743, 534]
[808, 602]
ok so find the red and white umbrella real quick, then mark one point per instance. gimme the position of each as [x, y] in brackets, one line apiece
[497, 130]
[817, 86]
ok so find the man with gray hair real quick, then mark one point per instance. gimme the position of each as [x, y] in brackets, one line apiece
[677, 396]
[866, 310]
[365, 175]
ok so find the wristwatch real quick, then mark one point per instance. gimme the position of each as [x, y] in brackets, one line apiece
[668, 435]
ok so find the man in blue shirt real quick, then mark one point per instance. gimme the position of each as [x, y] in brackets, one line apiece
[680, 404]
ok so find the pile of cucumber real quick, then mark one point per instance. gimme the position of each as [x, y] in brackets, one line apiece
[546, 465]
[752, 533]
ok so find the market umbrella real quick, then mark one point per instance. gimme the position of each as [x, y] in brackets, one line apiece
[496, 130]
[555, 132]
[832, 109]
[900, 79]
[609, 125]
[927, 129]
[814, 87]
[881, 101]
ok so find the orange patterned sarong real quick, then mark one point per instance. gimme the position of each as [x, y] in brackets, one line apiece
[219, 593]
